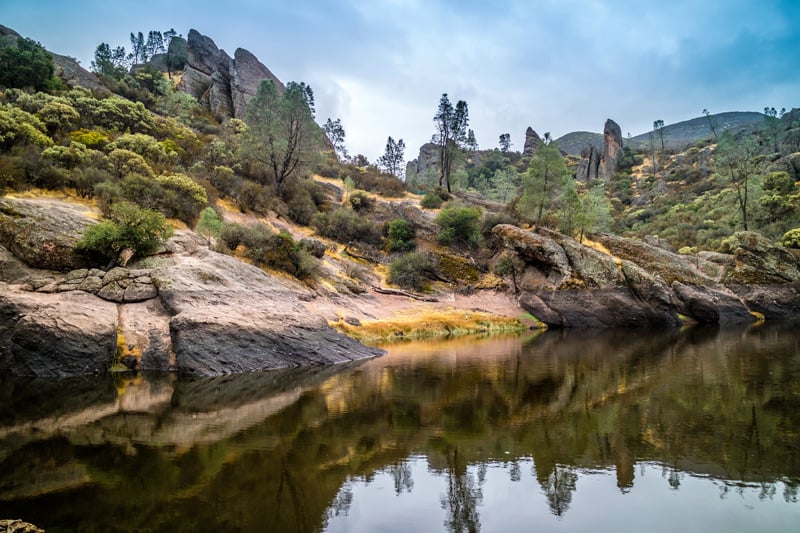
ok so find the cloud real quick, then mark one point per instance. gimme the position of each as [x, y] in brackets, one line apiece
[556, 65]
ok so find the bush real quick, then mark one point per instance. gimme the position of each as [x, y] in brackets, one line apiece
[401, 236]
[431, 200]
[493, 219]
[459, 226]
[129, 227]
[267, 248]
[25, 63]
[411, 271]
[345, 225]
[210, 224]
[360, 201]
[791, 239]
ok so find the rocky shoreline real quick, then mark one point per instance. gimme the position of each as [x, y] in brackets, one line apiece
[196, 312]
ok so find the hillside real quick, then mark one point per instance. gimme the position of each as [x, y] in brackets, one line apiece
[676, 136]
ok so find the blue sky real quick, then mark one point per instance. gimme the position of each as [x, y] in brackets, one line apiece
[555, 65]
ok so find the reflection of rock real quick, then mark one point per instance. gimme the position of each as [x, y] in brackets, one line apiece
[18, 526]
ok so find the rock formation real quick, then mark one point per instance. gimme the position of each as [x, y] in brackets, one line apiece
[639, 284]
[426, 161]
[222, 84]
[532, 142]
[595, 163]
[196, 312]
[612, 144]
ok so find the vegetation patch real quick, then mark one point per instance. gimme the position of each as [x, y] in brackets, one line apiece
[415, 325]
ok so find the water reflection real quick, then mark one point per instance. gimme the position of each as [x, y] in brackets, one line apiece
[556, 423]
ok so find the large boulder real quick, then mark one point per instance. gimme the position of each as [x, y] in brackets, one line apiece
[570, 285]
[669, 265]
[228, 316]
[43, 233]
[64, 334]
[711, 305]
[757, 261]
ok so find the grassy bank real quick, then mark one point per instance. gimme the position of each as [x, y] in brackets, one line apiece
[418, 325]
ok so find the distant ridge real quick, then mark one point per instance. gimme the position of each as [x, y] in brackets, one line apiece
[676, 135]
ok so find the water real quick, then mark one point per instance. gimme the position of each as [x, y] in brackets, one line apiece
[563, 431]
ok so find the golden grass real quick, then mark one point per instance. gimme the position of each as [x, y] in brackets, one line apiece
[415, 324]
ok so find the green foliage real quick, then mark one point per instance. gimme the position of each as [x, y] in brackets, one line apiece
[124, 162]
[411, 271]
[66, 156]
[281, 133]
[90, 138]
[546, 175]
[431, 200]
[146, 146]
[791, 239]
[345, 225]
[270, 249]
[460, 226]
[490, 220]
[209, 224]
[20, 127]
[401, 236]
[510, 266]
[360, 201]
[26, 64]
[129, 226]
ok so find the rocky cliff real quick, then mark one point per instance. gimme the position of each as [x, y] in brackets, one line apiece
[532, 142]
[222, 84]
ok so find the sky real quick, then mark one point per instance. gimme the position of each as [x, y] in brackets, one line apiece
[558, 66]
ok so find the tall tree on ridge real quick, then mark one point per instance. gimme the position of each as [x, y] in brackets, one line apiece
[451, 124]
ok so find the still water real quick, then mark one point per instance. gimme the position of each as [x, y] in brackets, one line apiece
[696, 430]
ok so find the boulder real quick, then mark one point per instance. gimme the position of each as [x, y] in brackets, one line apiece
[589, 164]
[774, 302]
[670, 266]
[65, 334]
[708, 305]
[757, 261]
[576, 286]
[228, 317]
[42, 233]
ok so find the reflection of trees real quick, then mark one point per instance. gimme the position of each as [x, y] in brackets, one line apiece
[401, 473]
[723, 404]
[559, 488]
[463, 496]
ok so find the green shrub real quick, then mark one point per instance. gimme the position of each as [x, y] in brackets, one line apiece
[360, 201]
[493, 219]
[459, 226]
[267, 248]
[209, 224]
[232, 235]
[401, 236]
[791, 239]
[141, 230]
[431, 200]
[345, 225]
[411, 270]
[25, 63]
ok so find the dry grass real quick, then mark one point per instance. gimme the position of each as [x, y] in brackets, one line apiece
[415, 324]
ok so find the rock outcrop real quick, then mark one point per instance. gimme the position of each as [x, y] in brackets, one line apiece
[43, 233]
[640, 284]
[222, 84]
[190, 310]
[532, 142]
[601, 163]
[426, 161]
[569, 285]
[612, 144]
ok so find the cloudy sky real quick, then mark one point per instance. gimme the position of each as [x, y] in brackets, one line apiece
[556, 65]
